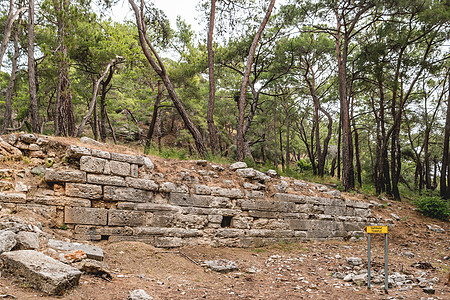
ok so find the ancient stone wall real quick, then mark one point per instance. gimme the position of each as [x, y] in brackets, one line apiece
[103, 195]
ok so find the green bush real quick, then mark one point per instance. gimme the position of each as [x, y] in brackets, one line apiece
[434, 207]
[303, 165]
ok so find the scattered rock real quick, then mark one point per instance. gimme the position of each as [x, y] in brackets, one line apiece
[21, 187]
[88, 141]
[94, 267]
[28, 138]
[408, 254]
[272, 173]
[7, 240]
[422, 265]
[39, 170]
[436, 228]
[429, 290]
[148, 164]
[202, 162]
[281, 188]
[222, 265]
[42, 272]
[139, 295]
[92, 252]
[246, 172]
[354, 261]
[27, 240]
[217, 168]
[395, 216]
[238, 165]
[77, 255]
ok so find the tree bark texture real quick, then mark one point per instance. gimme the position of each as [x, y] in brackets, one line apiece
[64, 117]
[105, 89]
[154, 118]
[445, 169]
[212, 86]
[7, 117]
[32, 70]
[244, 84]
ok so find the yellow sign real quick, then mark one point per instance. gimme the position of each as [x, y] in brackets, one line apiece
[376, 229]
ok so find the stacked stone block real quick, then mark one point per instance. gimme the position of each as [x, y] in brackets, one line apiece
[110, 198]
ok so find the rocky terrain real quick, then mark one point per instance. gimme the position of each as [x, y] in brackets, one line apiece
[41, 259]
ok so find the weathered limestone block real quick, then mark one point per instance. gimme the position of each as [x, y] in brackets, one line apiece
[300, 199]
[13, 197]
[334, 210]
[28, 138]
[134, 171]
[7, 240]
[48, 212]
[230, 233]
[101, 230]
[92, 164]
[191, 221]
[34, 147]
[162, 219]
[201, 189]
[88, 141]
[54, 175]
[139, 295]
[148, 164]
[27, 240]
[168, 232]
[170, 187]
[296, 224]
[166, 242]
[238, 165]
[126, 218]
[106, 179]
[127, 194]
[363, 212]
[281, 187]
[267, 233]
[76, 152]
[264, 205]
[246, 173]
[100, 153]
[59, 200]
[260, 176]
[42, 272]
[263, 214]
[119, 168]
[147, 206]
[255, 195]
[240, 222]
[143, 184]
[82, 190]
[182, 199]
[85, 215]
[132, 159]
[12, 139]
[229, 193]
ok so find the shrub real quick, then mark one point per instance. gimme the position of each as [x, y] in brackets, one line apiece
[303, 165]
[434, 207]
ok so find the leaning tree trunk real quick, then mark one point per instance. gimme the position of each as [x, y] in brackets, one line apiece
[154, 118]
[7, 117]
[94, 99]
[212, 87]
[105, 90]
[32, 70]
[158, 66]
[244, 84]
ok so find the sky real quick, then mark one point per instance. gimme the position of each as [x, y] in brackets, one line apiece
[172, 8]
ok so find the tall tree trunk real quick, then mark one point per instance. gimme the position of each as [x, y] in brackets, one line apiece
[212, 86]
[158, 66]
[7, 117]
[31, 70]
[339, 148]
[445, 169]
[64, 117]
[154, 118]
[244, 84]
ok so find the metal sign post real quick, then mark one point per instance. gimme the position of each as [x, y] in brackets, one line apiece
[384, 230]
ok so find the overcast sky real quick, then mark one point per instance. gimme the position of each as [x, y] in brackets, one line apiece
[172, 8]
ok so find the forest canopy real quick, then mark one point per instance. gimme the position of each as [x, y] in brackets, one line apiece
[356, 90]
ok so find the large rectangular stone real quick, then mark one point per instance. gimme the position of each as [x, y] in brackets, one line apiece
[13, 197]
[119, 168]
[75, 151]
[126, 218]
[300, 199]
[263, 214]
[264, 205]
[59, 201]
[127, 194]
[48, 212]
[132, 159]
[229, 193]
[206, 201]
[41, 271]
[53, 175]
[82, 190]
[270, 233]
[92, 164]
[143, 184]
[147, 206]
[85, 215]
[296, 224]
[106, 179]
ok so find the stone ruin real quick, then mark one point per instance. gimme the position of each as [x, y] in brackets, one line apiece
[104, 195]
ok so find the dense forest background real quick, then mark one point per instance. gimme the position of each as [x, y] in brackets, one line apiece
[357, 90]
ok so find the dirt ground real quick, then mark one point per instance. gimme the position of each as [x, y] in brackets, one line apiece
[281, 271]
